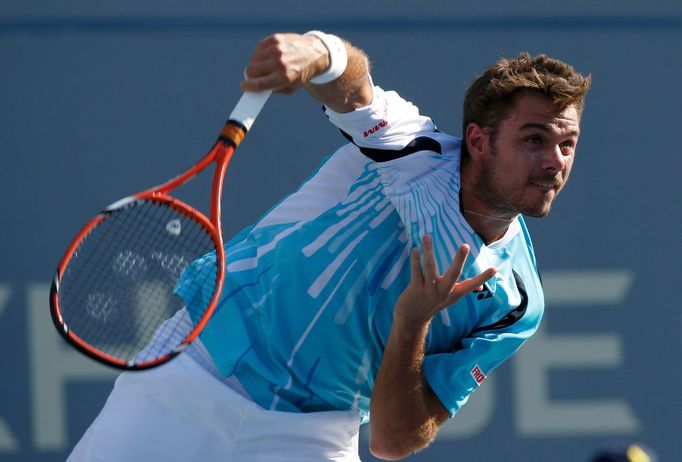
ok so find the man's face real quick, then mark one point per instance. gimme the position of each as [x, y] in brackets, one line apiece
[529, 161]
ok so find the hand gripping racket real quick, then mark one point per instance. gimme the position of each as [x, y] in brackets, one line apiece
[120, 291]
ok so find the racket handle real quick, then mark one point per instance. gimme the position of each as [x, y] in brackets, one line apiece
[248, 107]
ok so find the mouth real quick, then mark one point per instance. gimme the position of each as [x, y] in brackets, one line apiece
[547, 185]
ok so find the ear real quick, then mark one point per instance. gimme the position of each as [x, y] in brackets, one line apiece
[477, 140]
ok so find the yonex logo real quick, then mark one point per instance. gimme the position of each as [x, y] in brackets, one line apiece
[478, 374]
[483, 294]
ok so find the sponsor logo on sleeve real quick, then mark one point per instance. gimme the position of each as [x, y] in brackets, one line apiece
[375, 128]
[478, 374]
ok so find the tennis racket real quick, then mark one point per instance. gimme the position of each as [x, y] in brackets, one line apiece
[140, 281]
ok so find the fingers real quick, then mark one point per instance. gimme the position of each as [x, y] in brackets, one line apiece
[429, 271]
[463, 288]
[430, 268]
[477, 281]
[266, 72]
[460, 289]
[266, 59]
[260, 68]
[283, 63]
[455, 269]
[274, 82]
[267, 69]
[415, 266]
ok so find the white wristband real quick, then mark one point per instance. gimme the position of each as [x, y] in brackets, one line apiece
[338, 57]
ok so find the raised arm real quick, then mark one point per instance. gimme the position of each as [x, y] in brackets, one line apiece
[286, 62]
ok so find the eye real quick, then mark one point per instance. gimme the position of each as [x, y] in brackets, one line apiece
[533, 139]
[567, 146]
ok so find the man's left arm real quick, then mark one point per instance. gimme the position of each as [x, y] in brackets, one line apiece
[405, 413]
[415, 392]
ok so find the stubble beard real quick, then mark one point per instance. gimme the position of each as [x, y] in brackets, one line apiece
[506, 202]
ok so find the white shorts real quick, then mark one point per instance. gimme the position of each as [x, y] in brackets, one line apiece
[180, 412]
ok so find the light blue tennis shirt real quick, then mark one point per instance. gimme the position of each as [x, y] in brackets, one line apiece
[310, 289]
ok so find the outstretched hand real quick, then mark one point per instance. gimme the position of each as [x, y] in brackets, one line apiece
[428, 292]
[284, 62]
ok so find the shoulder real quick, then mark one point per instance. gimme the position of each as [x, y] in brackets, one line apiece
[389, 122]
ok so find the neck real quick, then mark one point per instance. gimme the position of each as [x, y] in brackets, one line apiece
[490, 228]
[489, 217]
[491, 224]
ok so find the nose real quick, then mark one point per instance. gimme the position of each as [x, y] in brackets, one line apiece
[554, 159]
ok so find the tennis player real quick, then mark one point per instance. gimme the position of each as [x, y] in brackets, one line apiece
[391, 284]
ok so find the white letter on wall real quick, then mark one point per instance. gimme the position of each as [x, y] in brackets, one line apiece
[536, 414]
[8, 443]
[53, 365]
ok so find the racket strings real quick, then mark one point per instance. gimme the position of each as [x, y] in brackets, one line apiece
[120, 290]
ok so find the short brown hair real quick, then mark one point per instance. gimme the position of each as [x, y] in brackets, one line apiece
[490, 96]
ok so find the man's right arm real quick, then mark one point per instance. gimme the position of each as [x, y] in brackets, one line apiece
[286, 62]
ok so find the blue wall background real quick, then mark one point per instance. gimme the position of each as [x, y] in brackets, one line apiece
[100, 99]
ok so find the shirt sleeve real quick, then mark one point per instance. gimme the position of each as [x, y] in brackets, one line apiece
[453, 376]
[418, 167]
[389, 123]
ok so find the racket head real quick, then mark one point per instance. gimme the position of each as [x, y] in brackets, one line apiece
[139, 282]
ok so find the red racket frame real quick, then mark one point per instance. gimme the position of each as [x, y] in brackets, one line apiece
[231, 136]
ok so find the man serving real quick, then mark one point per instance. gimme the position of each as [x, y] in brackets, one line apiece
[390, 285]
